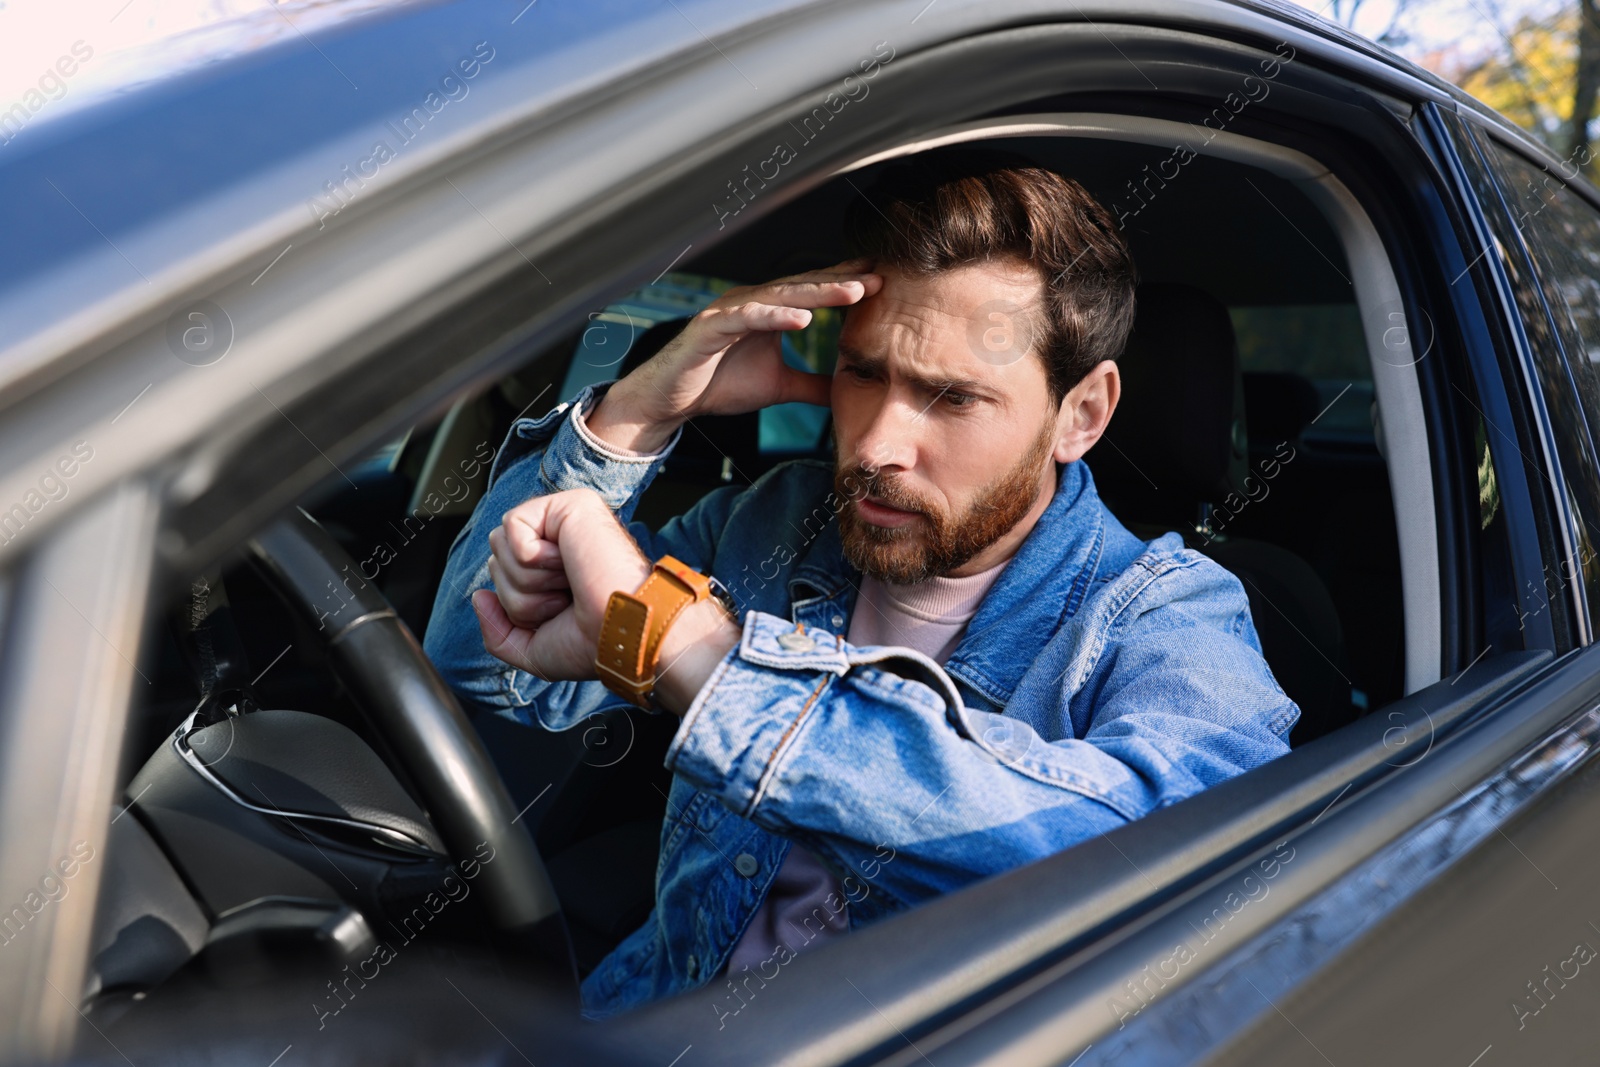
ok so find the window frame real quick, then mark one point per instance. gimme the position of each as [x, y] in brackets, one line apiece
[1410, 440]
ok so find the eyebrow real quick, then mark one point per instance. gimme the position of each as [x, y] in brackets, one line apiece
[926, 381]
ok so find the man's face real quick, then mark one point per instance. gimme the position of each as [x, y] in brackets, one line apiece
[946, 434]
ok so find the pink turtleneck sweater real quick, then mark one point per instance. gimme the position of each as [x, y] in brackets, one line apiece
[930, 617]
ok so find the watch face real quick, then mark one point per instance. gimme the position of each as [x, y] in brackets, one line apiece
[724, 597]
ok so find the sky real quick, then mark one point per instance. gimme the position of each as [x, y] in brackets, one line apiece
[1437, 34]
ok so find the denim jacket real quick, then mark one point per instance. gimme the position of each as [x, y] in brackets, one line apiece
[1102, 677]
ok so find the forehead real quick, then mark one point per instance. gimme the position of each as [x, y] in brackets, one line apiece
[973, 321]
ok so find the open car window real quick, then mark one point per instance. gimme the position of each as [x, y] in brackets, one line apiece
[1330, 619]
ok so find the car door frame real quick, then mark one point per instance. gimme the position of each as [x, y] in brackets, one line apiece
[75, 609]
[899, 1011]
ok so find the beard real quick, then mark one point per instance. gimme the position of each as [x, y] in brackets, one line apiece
[937, 542]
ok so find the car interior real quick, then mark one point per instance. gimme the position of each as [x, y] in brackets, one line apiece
[1249, 424]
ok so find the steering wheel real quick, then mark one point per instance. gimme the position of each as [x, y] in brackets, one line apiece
[379, 660]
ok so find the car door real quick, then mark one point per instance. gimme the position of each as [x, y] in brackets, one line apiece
[1221, 928]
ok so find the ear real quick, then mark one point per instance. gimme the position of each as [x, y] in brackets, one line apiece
[1086, 411]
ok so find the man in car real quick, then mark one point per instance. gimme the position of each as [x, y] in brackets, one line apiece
[946, 658]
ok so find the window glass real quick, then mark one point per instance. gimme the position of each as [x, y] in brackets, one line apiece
[1560, 233]
[1317, 340]
[1321, 342]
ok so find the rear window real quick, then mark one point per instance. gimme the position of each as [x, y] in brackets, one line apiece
[1323, 343]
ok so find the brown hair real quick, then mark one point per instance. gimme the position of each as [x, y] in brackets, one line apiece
[950, 208]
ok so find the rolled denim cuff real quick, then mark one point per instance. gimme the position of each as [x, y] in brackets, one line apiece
[574, 458]
[753, 707]
[583, 407]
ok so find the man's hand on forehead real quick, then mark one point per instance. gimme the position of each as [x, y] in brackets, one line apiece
[729, 359]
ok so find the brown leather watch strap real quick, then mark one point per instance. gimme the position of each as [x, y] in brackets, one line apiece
[634, 624]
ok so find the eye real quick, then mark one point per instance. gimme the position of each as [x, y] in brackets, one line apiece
[860, 374]
[959, 400]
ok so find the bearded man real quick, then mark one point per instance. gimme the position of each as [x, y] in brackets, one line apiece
[967, 663]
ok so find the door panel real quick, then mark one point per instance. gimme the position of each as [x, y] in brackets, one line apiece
[1494, 960]
[1021, 967]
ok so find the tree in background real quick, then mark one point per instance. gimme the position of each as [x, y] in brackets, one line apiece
[1535, 61]
[1530, 80]
[1586, 79]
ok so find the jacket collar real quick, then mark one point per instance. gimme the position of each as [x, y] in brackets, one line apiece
[1040, 587]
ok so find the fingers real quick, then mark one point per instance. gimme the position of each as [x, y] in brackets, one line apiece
[530, 519]
[832, 287]
[526, 569]
[519, 530]
[531, 595]
[557, 650]
[782, 306]
[849, 268]
[590, 536]
[501, 638]
[724, 325]
[531, 563]
[820, 292]
[565, 550]
[526, 608]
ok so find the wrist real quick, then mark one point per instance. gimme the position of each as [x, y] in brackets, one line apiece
[697, 641]
[623, 423]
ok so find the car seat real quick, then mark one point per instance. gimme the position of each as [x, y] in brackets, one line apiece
[1176, 457]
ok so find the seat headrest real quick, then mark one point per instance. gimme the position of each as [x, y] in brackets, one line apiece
[1177, 437]
[1280, 405]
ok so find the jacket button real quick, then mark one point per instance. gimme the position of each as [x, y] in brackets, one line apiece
[795, 641]
[745, 864]
[692, 966]
[838, 621]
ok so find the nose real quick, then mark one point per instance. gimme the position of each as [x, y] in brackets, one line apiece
[889, 440]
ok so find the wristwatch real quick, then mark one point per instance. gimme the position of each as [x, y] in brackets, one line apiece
[634, 623]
